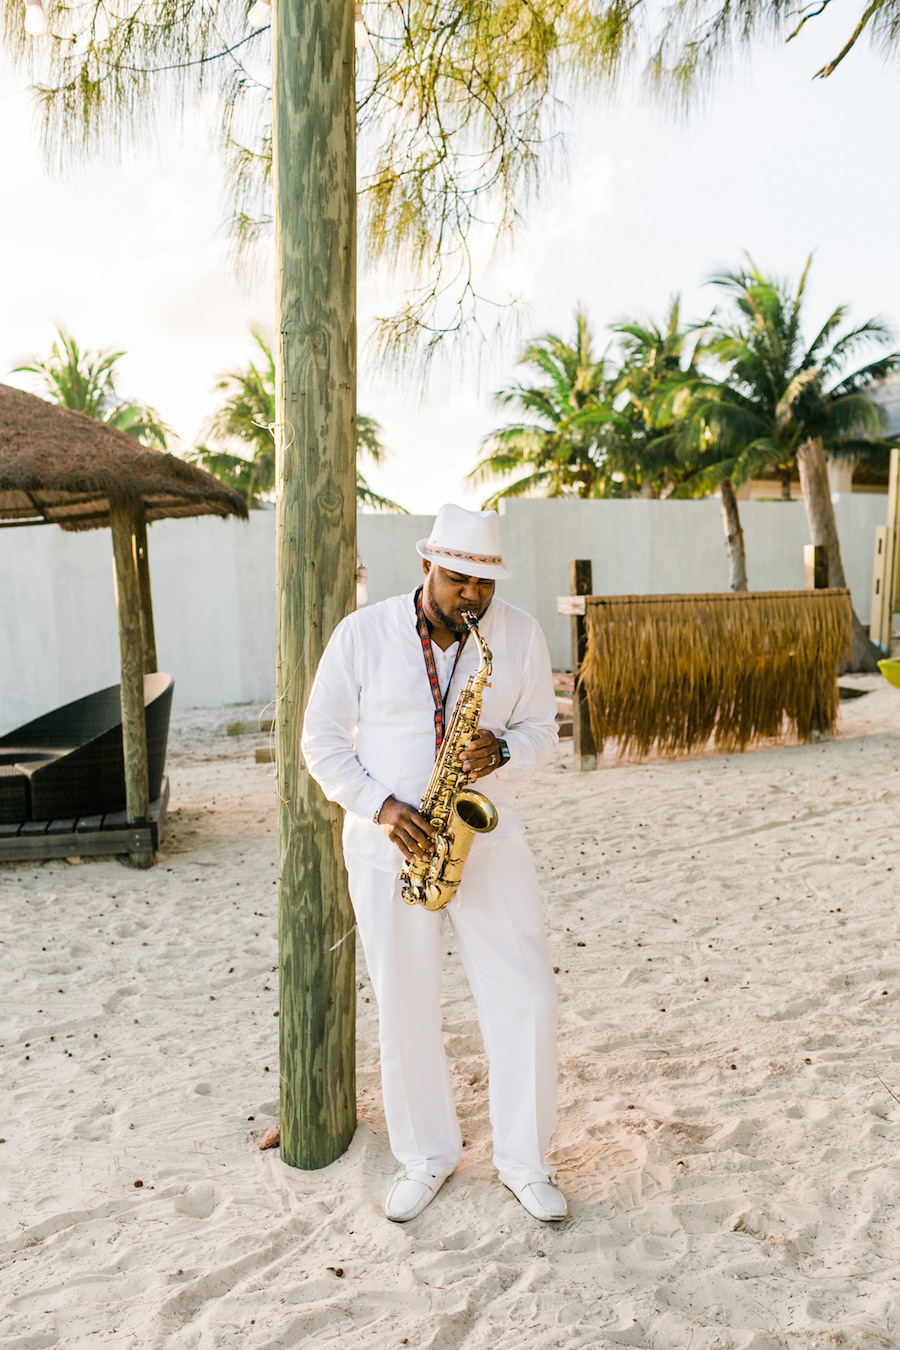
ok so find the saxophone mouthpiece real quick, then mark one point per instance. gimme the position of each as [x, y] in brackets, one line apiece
[469, 619]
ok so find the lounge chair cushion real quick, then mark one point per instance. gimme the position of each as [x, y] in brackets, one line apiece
[72, 760]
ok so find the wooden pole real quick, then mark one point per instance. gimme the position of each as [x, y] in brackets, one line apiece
[134, 728]
[882, 589]
[815, 570]
[893, 524]
[315, 241]
[886, 572]
[815, 567]
[583, 747]
[148, 633]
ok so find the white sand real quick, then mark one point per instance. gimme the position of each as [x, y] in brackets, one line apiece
[726, 931]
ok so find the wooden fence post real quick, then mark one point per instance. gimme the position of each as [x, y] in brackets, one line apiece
[583, 747]
[815, 568]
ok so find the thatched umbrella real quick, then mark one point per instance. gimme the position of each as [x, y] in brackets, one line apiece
[60, 467]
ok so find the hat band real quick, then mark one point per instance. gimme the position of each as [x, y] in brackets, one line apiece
[485, 559]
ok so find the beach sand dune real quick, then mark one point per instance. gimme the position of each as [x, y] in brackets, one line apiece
[726, 935]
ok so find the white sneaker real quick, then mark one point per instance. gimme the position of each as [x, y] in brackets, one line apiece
[412, 1191]
[540, 1195]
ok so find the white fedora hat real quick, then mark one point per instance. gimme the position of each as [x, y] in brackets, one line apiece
[465, 541]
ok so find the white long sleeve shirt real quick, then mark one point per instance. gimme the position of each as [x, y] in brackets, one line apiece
[368, 733]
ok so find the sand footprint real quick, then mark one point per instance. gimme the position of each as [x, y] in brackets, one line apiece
[96, 1126]
[197, 1202]
[113, 1003]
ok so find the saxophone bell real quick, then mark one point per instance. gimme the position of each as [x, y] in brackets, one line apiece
[471, 814]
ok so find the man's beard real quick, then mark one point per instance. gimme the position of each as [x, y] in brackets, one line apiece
[446, 620]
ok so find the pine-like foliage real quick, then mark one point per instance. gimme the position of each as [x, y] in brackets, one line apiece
[455, 102]
[458, 102]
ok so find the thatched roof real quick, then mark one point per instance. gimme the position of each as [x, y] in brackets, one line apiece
[62, 467]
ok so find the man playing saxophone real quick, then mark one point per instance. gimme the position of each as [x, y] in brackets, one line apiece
[381, 704]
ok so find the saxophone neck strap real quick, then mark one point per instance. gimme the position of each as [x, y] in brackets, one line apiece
[440, 700]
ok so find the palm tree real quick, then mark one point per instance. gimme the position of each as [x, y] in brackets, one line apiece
[86, 381]
[596, 427]
[369, 442]
[783, 402]
[716, 460]
[570, 439]
[657, 365]
[247, 416]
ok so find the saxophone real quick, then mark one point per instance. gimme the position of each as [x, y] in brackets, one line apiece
[456, 811]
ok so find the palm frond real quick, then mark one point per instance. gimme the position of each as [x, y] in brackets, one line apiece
[875, 332]
[367, 496]
[866, 376]
[532, 485]
[368, 438]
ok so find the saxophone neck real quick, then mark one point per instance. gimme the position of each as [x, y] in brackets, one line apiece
[471, 622]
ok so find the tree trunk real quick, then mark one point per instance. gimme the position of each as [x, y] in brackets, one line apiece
[786, 485]
[315, 222]
[734, 537]
[823, 530]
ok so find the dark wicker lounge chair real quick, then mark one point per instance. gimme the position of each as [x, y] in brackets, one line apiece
[70, 762]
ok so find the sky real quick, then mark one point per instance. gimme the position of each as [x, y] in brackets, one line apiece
[133, 254]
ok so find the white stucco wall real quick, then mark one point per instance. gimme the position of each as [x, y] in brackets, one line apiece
[214, 585]
[636, 547]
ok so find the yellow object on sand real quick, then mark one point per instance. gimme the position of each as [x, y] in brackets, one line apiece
[891, 671]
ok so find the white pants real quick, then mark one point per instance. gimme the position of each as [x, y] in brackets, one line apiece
[498, 926]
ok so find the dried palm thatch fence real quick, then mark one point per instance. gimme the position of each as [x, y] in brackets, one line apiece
[672, 671]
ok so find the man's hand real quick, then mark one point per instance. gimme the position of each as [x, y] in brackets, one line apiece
[407, 829]
[481, 756]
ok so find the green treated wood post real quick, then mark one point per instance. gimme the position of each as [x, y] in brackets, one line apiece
[131, 646]
[315, 230]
